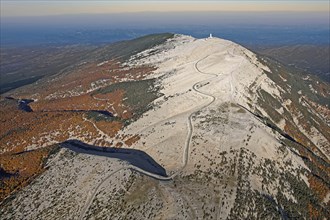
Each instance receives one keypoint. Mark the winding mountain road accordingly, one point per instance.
(185, 151)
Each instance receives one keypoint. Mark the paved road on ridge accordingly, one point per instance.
(185, 151)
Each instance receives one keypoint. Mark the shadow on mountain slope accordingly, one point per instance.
(134, 157)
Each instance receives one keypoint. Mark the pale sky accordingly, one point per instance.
(11, 8)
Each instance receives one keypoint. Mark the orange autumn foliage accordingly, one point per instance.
(320, 188)
(313, 212)
(132, 140)
(60, 113)
(23, 166)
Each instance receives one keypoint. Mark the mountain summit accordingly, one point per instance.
(170, 127)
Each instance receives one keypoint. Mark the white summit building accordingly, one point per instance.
(210, 36)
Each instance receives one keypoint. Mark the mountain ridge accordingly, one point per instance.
(226, 122)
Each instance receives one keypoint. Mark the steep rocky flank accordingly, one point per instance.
(240, 136)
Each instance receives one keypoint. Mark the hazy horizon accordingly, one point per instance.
(185, 18)
(75, 25)
(12, 8)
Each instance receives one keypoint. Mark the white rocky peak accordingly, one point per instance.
(199, 75)
(224, 162)
(230, 61)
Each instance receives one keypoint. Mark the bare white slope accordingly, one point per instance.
(197, 131)
(224, 70)
(203, 81)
